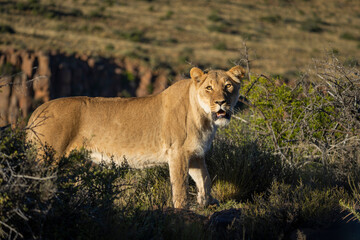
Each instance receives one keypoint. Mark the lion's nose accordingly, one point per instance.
(221, 102)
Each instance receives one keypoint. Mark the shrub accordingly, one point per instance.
(96, 28)
(8, 69)
(172, 40)
(110, 2)
(167, 16)
(352, 205)
(351, 62)
(6, 29)
(284, 208)
(186, 54)
(168, 224)
(271, 19)
(109, 47)
(222, 27)
(312, 25)
(134, 35)
(71, 197)
(215, 17)
(150, 88)
(75, 12)
(26, 187)
(35, 7)
(311, 121)
(84, 203)
(349, 36)
(97, 13)
(153, 189)
(239, 166)
(220, 46)
(41, 199)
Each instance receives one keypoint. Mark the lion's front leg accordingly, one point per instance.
(178, 167)
(200, 174)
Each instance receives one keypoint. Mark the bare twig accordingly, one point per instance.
(18, 74)
(35, 178)
(11, 230)
(239, 118)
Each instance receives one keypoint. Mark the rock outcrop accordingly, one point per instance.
(28, 79)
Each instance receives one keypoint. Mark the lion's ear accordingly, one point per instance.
(196, 74)
(236, 73)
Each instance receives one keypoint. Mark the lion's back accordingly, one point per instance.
(135, 127)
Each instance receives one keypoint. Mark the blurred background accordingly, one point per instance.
(51, 49)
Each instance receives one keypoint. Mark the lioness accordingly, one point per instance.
(175, 126)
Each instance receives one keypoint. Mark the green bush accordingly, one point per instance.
(153, 189)
(284, 208)
(109, 47)
(186, 54)
(222, 27)
(167, 16)
(75, 12)
(215, 17)
(352, 205)
(352, 62)
(312, 25)
(26, 187)
(8, 69)
(44, 199)
(97, 13)
(307, 122)
(220, 46)
(349, 36)
(84, 203)
(239, 166)
(134, 35)
(6, 29)
(271, 19)
(51, 11)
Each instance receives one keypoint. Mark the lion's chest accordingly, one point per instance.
(202, 143)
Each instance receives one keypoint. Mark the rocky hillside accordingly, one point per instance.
(28, 79)
(283, 35)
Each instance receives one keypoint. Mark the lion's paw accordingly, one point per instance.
(207, 201)
(213, 202)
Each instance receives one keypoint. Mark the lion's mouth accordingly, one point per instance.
(222, 114)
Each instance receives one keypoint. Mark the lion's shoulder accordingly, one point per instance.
(179, 88)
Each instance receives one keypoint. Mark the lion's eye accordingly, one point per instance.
(209, 88)
(228, 85)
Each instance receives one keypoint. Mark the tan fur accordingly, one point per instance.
(175, 126)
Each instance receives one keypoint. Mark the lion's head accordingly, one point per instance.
(218, 92)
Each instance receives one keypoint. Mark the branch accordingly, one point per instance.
(35, 178)
(11, 230)
(20, 73)
(241, 119)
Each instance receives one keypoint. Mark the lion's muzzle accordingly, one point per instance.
(221, 111)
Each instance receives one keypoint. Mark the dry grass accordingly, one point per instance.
(283, 34)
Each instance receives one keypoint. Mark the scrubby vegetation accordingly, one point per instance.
(289, 160)
(75, 199)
